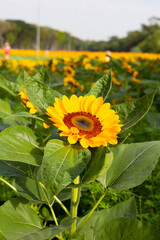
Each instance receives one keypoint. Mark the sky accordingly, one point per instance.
(85, 19)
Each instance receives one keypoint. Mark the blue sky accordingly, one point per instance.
(86, 19)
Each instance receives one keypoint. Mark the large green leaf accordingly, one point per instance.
(62, 163)
(127, 229)
(132, 164)
(132, 112)
(5, 109)
(100, 162)
(102, 87)
(40, 95)
(2, 237)
(150, 83)
(30, 189)
(7, 169)
(48, 233)
(42, 76)
(11, 87)
(19, 143)
(18, 220)
(23, 114)
(99, 218)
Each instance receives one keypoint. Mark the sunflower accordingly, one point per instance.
(26, 102)
(70, 80)
(68, 71)
(85, 119)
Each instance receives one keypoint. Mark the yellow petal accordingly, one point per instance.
(72, 139)
(103, 110)
(84, 143)
(97, 105)
(88, 104)
(75, 103)
(59, 104)
(46, 126)
(67, 104)
(74, 130)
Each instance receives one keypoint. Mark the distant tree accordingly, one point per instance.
(151, 43)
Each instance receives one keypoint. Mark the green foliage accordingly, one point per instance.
(139, 159)
(126, 228)
(126, 209)
(18, 143)
(151, 43)
(132, 112)
(61, 164)
(40, 95)
(102, 87)
(48, 180)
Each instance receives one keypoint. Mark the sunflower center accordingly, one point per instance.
(86, 123)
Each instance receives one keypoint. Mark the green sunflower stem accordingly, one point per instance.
(91, 212)
(74, 206)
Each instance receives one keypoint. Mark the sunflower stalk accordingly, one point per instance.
(74, 206)
(90, 213)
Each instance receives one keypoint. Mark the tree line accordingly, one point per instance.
(22, 35)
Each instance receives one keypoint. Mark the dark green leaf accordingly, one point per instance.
(102, 87)
(30, 189)
(18, 219)
(48, 233)
(19, 143)
(132, 112)
(132, 164)
(23, 114)
(7, 169)
(42, 76)
(99, 218)
(100, 163)
(40, 95)
(11, 87)
(62, 163)
(127, 229)
(5, 109)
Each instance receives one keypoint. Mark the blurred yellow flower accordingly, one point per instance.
(26, 102)
(68, 71)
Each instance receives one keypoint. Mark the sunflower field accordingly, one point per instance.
(79, 145)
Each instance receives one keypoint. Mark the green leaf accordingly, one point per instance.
(99, 218)
(42, 76)
(48, 233)
(20, 79)
(19, 143)
(5, 109)
(102, 87)
(150, 83)
(62, 163)
(18, 220)
(2, 237)
(127, 229)
(11, 87)
(132, 112)
(100, 162)
(154, 119)
(40, 95)
(23, 114)
(30, 189)
(6, 169)
(132, 164)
